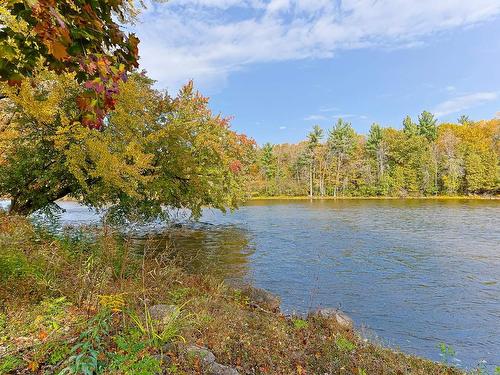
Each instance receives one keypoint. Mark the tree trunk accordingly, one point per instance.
(26, 206)
(337, 177)
(311, 179)
(18, 208)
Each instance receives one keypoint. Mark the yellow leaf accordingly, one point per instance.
(33, 366)
(58, 50)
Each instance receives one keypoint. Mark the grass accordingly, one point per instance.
(80, 305)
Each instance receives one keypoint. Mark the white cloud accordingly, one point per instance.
(343, 116)
(315, 118)
(209, 39)
(461, 103)
(282, 127)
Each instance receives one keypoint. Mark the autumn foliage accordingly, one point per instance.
(421, 159)
(153, 151)
(64, 36)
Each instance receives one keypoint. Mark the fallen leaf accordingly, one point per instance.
(42, 335)
(33, 366)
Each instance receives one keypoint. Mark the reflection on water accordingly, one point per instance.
(415, 272)
(220, 251)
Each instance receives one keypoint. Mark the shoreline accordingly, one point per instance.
(343, 198)
(331, 198)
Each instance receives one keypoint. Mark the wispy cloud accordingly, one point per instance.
(333, 117)
(282, 127)
(461, 103)
(209, 39)
(315, 118)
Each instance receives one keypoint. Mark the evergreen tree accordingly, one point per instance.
(341, 143)
(409, 127)
(374, 138)
(313, 141)
(377, 150)
(268, 161)
(464, 120)
(269, 168)
(427, 126)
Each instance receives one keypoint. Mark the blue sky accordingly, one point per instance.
(281, 66)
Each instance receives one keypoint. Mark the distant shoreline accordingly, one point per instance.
(437, 197)
(331, 198)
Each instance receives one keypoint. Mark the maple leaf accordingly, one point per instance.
(58, 50)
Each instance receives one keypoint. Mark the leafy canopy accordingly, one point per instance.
(81, 36)
(152, 151)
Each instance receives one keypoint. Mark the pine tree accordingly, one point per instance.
(427, 126)
(465, 120)
(409, 127)
(376, 149)
(341, 143)
(314, 139)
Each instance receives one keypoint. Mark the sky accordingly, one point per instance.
(279, 67)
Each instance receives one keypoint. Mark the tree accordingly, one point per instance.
(464, 120)
(79, 36)
(313, 141)
(268, 165)
(409, 127)
(427, 126)
(341, 143)
(377, 149)
(153, 151)
(452, 164)
(481, 172)
(268, 161)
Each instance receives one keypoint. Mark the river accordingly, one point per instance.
(411, 273)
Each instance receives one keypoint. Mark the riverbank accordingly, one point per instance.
(436, 197)
(86, 301)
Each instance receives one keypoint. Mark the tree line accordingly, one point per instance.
(420, 159)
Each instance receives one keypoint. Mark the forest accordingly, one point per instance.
(422, 158)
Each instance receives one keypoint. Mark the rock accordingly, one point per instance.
(162, 313)
(218, 369)
(342, 319)
(207, 359)
(262, 298)
(206, 356)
